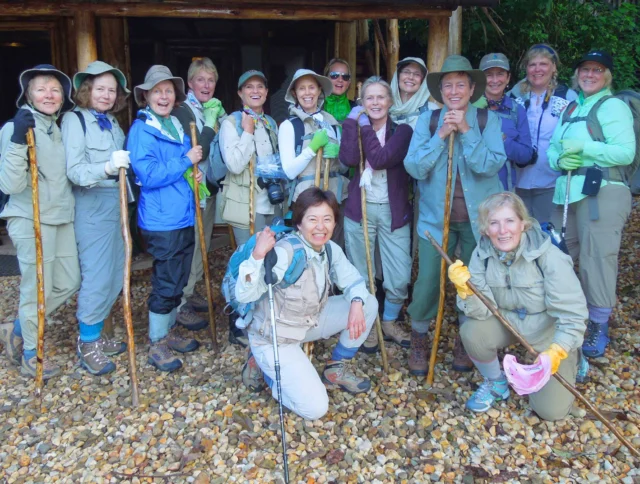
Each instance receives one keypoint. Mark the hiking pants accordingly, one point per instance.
(262, 220)
(302, 389)
(172, 251)
(483, 339)
(61, 271)
(100, 251)
(539, 202)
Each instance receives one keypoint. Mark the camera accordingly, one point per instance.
(532, 160)
(274, 189)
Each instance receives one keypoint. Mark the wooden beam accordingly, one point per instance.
(363, 32)
(393, 46)
(347, 51)
(438, 43)
(86, 38)
(114, 36)
(221, 10)
(455, 32)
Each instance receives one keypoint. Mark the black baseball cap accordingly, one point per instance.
(599, 56)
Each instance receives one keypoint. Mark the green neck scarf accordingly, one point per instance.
(338, 106)
(166, 124)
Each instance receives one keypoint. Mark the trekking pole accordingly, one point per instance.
(367, 249)
(496, 312)
(443, 265)
(37, 230)
(565, 216)
(252, 197)
(126, 286)
(270, 261)
(203, 246)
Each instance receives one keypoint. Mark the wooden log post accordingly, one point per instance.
(347, 40)
(455, 32)
(393, 46)
(438, 43)
(114, 50)
(85, 38)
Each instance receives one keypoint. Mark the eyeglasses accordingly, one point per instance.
(410, 73)
(335, 75)
(587, 70)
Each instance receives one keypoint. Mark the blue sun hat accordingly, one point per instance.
(45, 70)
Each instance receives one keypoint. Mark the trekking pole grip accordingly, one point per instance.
(270, 261)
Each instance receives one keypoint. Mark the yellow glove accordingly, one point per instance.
(556, 354)
(459, 274)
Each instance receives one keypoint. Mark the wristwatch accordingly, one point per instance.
(357, 299)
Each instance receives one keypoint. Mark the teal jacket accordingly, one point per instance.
(618, 150)
(477, 157)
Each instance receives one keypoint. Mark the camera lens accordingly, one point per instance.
(275, 193)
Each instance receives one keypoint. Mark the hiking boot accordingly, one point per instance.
(236, 335)
(418, 364)
(582, 376)
(252, 375)
(596, 340)
(12, 343)
(370, 345)
(489, 392)
(198, 303)
(191, 320)
(28, 368)
(111, 346)
(162, 358)
(461, 360)
(339, 374)
(180, 344)
(93, 359)
(394, 332)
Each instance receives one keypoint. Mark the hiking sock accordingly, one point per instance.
(599, 315)
(489, 369)
(391, 310)
(17, 329)
(90, 332)
(28, 354)
(341, 352)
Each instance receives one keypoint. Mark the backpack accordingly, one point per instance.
(218, 167)
(631, 99)
(483, 115)
(243, 252)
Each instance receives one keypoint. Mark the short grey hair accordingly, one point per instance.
(376, 80)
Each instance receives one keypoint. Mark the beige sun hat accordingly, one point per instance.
(325, 85)
(155, 75)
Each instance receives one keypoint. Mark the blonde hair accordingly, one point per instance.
(204, 64)
(540, 50)
(498, 200)
(608, 79)
(377, 80)
(336, 60)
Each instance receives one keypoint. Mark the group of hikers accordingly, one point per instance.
(517, 157)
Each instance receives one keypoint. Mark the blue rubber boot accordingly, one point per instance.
(489, 392)
(596, 340)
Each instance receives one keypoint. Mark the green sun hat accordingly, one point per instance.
(456, 63)
(97, 68)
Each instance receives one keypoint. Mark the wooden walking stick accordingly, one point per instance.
(203, 245)
(126, 287)
(496, 312)
(37, 230)
(367, 248)
(443, 265)
(252, 195)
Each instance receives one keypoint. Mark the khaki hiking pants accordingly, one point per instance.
(61, 271)
(483, 339)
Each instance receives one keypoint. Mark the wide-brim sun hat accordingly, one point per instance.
(46, 70)
(325, 85)
(457, 63)
(527, 379)
(155, 75)
(412, 60)
(98, 68)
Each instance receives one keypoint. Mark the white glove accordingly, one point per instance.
(366, 178)
(119, 159)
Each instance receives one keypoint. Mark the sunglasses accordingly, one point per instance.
(336, 75)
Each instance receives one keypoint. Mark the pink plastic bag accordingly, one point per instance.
(526, 379)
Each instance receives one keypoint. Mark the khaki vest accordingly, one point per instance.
(297, 307)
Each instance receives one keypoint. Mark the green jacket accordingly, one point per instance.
(620, 147)
(539, 293)
(56, 200)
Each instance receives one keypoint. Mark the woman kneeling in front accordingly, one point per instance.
(534, 286)
(305, 311)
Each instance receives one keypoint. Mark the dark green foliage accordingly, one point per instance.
(573, 27)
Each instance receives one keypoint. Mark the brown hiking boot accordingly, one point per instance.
(339, 374)
(461, 360)
(370, 345)
(198, 303)
(190, 319)
(418, 364)
(394, 332)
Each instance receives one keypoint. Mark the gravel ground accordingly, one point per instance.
(201, 425)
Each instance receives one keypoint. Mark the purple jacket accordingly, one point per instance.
(389, 157)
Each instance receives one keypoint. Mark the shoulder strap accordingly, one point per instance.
(566, 114)
(83, 122)
(329, 254)
(593, 123)
(483, 115)
(237, 115)
(433, 122)
(561, 91)
(298, 133)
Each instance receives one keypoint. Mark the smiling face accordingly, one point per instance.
(540, 70)
(317, 225)
(254, 93)
(45, 94)
(376, 101)
(340, 85)
(410, 78)
(591, 77)
(456, 90)
(497, 81)
(161, 98)
(104, 92)
(505, 229)
(307, 91)
(203, 85)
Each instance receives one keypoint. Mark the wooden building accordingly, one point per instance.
(276, 36)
